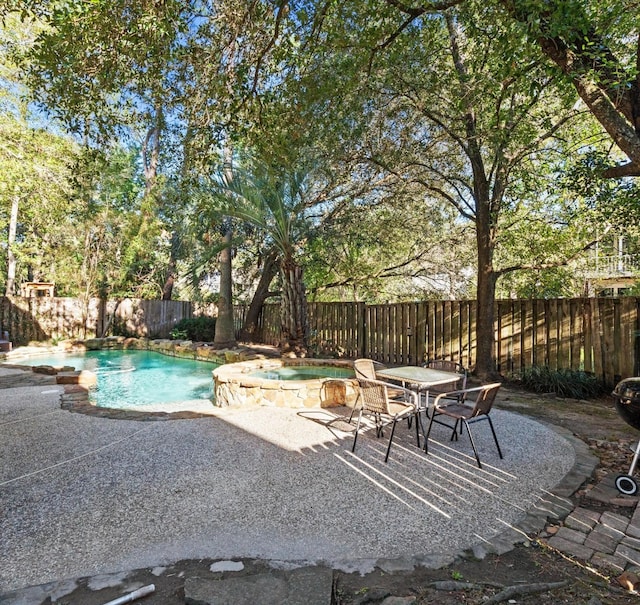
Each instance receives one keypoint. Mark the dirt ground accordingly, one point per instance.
(505, 578)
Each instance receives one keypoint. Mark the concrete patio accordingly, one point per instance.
(83, 495)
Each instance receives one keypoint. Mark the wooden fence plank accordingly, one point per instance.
(421, 330)
(576, 333)
(465, 334)
(374, 334)
(587, 335)
(607, 316)
(437, 333)
(537, 335)
(516, 337)
(553, 331)
(446, 329)
(455, 338)
(472, 348)
(596, 334)
(627, 337)
(564, 334)
(526, 319)
(500, 331)
(428, 330)
(617, 339)
(398, 334)
(413, 334)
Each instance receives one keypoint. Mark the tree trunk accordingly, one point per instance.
(11, 259)
(294, 313)
(485, 368)
(167, 289)
(248, 332)
(225, 335)
(225, 332)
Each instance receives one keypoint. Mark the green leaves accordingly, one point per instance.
(272, 200)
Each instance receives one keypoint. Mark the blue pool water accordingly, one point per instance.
(137, 378)
(304, 373)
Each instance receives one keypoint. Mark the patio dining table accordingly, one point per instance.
(420, 379)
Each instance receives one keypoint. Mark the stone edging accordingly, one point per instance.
(238, 385)
(185, 349)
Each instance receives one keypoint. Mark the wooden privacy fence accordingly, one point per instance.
(598, 335)
(44, 318)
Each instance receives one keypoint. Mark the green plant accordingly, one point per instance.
(200, 329)
(576, 384)
(457, 576)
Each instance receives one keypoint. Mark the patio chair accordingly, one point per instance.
(446, 404)
(366, 369)
(448, 366)
(376, 403)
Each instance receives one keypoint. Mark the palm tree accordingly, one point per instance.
(274, 201)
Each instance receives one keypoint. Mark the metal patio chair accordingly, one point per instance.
(446, 404)
(447, 365)
(366, 369)
(376, 403)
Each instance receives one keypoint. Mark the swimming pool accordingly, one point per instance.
(135, 379)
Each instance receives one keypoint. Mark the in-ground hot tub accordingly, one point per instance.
(291, 383)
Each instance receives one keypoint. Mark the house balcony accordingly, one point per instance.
(614, 272)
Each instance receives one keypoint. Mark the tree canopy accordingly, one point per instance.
(459, 148)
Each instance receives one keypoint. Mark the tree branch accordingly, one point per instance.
(560, 263)
(599, 79)
(389, 41)
(616, 172)
(282, 9)
(417, 11)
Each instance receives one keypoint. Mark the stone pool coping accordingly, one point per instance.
(185, 349)
(235, 385)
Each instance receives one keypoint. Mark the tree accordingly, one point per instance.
(468, 123)
(390, 247)
(35, 183)
(37, 170)
(596, 47)
(106, 70)
(276, 201)
(268, 269)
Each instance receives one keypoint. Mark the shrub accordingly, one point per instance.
(201, 329)
(576, 384)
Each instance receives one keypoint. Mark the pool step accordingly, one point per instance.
(83, 377)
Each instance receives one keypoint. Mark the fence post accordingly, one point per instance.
(361, 329)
